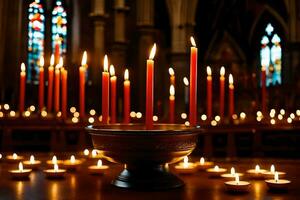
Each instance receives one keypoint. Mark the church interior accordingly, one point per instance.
(181, 99)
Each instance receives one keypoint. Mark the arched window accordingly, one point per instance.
(59, 30)
(270, 55)
(36, 35)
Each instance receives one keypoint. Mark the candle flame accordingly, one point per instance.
(217, 168)
(72, 159)
(105, 63)
(186, 81)
(20, 166)
(172, 90)
(42, 61)
(257, 168)
(232, 171)
(23, 67)
(94, 153)
(15, 156)
(54, 160)
(208, 71)
(185, 162)
(99, 163)
(237, 179)
(202, 161)
(272, 169)
(112, 70)
(55, 168)
(126, 75)
(52, 60)
(276, 177)
(193, 41)
(31, 160)
(230, 79)
(171, 71)
(86, 152)
(84, 59)
(61, 62)
(152, 52)
(222, 71)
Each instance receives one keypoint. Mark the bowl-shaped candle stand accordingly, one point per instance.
(278, 184)
(20, 173)
(216, 171)
(54, 161)
(32, 163)
(270, 174)
(14, 158)
(237, 185)
(256, 173)
(55, 173)
(203, 165)
(185, 167)
(98, 169)
(145, 152)
(232, 175)
(72, 164)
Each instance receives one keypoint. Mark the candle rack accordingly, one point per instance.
(145, 152)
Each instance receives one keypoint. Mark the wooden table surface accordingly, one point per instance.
(81, 185)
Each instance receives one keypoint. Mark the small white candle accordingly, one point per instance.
(55, 173)
(98, 169)
(203, 165)
(216, 171)
(32, 163)
(72, 164)
(237, 185)
(278, 184)
(257, 172)
(185, 167)
(270, 174)
(20, 173)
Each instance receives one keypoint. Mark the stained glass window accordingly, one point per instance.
(59, 30)
(36, 35)
(270, 55)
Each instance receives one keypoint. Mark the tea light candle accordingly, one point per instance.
(216, 171)
(94, 154)
(186, 167)
(277, 184)
(98, 169)
(203, 165)
(20, 173)
(32, 163)
(54, 161)
(232, 174)
(55, 172)
(72, 164)
(256, 173)
(237, 185)
(14, 158)
(270, 174)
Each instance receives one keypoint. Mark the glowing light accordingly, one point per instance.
(27, 113)
(6, 106)
(105, 63)
(222, 71)
(15, 156)
(208, 71)
(193, 41)
(76, 114)
(20, 167)
(217, 118)
(259, 113)
(242, 115)
(232, 171)
(257, 169)
(280, 117)
(86, 152)
(272, 169)
(91, 120)
(84, 59)
(202, 161)
(99, 163)
(289, 120)
(126, 75)
(258, 119)
(55, 168)
(187, 123)
(185, 162)
(94, 153)
(172, 90)
(61, 62)
(298, 113)
(31, 159)
(183, 115)
(1, 114)
(216, 168)
(72, 159)
(112, 70)
(32, 108)
(292, 115)
(23, 67)
(186, 81)
(132, 114)
(203, 117)
(54, 160)
(282, 111)
(92, 112)
(234, 116)
(44, 113)
(230, 79)
(75, 120)
(72, 109)
(213, 123)
(58, 114)
(155, 118)
(139, 115)
(12, 113)
(42, 61)
(152, 52)
(272, 121)
(237, 179)
(276, 177)
(171, 71)
(52, 60)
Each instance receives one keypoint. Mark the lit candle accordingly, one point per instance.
(22, 88)
(203, 165)
(126, 97)
(231, 96)
(14, 158)
(82, 72)
(216, 171)
(86, 152)
(32, 163)
(193, 84)
(57, 85)
(50, 84)
(54, 160)
(113, 93)
(98, 169)
(55, 173)
(64, 92)
(256, 173)
(150, 88)
(232, 174)
(237, 185)
(72, 164)
(20, 173)
(186, 167)
(263, 91)
(95, 154)
(41, 84)
(209, 93)
(222, 91)
(172, 104)
(186, 92)
(270, 174)
(172, 76)
(277, 184)
(105, 92)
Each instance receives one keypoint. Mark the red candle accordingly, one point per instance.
(263, 90)
(50, 84)
(231, 96)
(41, 84)
(193, 83)
(57, 47)
(209, 93)
(172, 105)
(105, 92)
(57, 85)
(172, 76)
(82, 72)
(64, 85)
(113, 98)
(222, 91)
(22, 88)
(126, 97)
(149, 88)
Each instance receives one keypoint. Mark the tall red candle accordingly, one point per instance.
(22, 88)
(126, 97)
(231, 96)
(57, 47)
(64, 92)
(105, 92)
(41, 84)
(82, 72)
(263, 91)
(57, 86)
(209, 93)
(113, 93)
(149, 88)
(172, 76)
(172, 104)
(193, 84)
(222, 91)
(50, 84)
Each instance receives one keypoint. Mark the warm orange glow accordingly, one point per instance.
(222, 71)
(263, 68)
(105, 63)
(172, 90)
(61, 62)
(126, 75)
(208, 71)
(31, 159)
(193, 41)
(55, 167)
(112, 70)
(52, 60)
(230, 79)
(42, 61)
(171, 71)
(152, 53)
(20, 166)
(23, 67)
(84, 59)
(186, 81)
